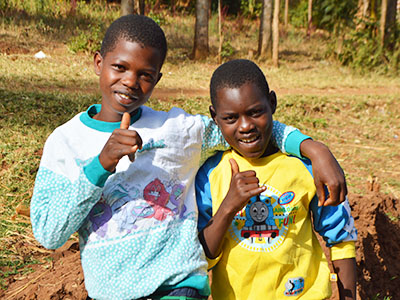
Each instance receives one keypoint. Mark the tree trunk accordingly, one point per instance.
(388, 22)
(309, 21)
(141, 7)
(264, 38)
(383, 21)
(286, 13)
(127, 7)
(275, 35)
(220, 32)
(200, 49)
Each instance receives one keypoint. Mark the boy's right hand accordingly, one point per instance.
(244, 185)
(121, 142)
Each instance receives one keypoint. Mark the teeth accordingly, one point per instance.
(249, 140)
(124, 96)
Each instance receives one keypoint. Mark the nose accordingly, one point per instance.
(245, 124)
(130, 80)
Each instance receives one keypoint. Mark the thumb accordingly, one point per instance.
(126, 121)
(234, 166)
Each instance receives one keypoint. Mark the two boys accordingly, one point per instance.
(122, 175)
(255, 203)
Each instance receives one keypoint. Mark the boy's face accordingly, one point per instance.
(128, 75)
(244, 116)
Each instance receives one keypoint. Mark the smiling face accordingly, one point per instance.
(128, 75)
(244, 116)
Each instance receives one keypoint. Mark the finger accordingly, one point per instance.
(334, 196)
(343, 192)
(320, 192)
(132, 154)
(247, 180)
(126, 121)
(249, 173)
(234, 166)
(256, 191)
(127, 137)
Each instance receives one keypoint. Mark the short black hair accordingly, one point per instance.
(135, 28)
(235, 73)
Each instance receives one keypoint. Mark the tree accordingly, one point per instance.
(141, 7)
(127, 7)
(200, 49)
(275, 34)
(265, 33)
(388, 23)
(220, 32)
(286, 13)
(309, 21)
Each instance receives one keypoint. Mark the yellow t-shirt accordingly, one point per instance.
(270, 251)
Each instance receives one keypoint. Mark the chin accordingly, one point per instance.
(251, 155)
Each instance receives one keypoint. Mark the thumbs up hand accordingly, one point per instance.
(121, 142)
(244, 185)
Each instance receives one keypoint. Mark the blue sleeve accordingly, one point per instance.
(203, 190)
(286, 138)
(334, 223)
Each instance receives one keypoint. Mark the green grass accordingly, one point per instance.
(357, 116)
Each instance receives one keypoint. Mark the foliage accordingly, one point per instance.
(298, 14)
(334, 15)
(88, 41)
(227, 50)
(159, 18)
(251, 8)
(369, 54)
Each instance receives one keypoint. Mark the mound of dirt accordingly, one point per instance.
(377, 219)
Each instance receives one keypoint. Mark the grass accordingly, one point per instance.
(357, 116)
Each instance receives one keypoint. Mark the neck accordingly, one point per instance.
(271, 149)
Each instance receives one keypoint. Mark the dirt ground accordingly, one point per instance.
(378, 247)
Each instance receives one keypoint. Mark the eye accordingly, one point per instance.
(147, 77)
(229, 119)
(118, 67)
(257, 112)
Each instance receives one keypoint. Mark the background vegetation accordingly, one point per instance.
(349, 100)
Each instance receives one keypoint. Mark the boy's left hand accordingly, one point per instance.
(327, 172)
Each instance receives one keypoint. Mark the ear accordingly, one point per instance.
(272, 101)
(97, 61)
(213, 114)
(159, 77)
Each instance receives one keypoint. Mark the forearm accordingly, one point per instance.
(215, 231)
(59, 206)
(312, 149)
(347, 278)
(327, 173)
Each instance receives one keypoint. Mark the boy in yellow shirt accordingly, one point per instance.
(256, 203)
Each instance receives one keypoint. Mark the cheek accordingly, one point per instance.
(227, 132)
(146, 87)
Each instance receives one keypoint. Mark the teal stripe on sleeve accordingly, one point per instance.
(293, 141)
(198, 282)
(95, 172)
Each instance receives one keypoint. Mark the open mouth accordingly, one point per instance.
(250, 140)
(125, 99)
